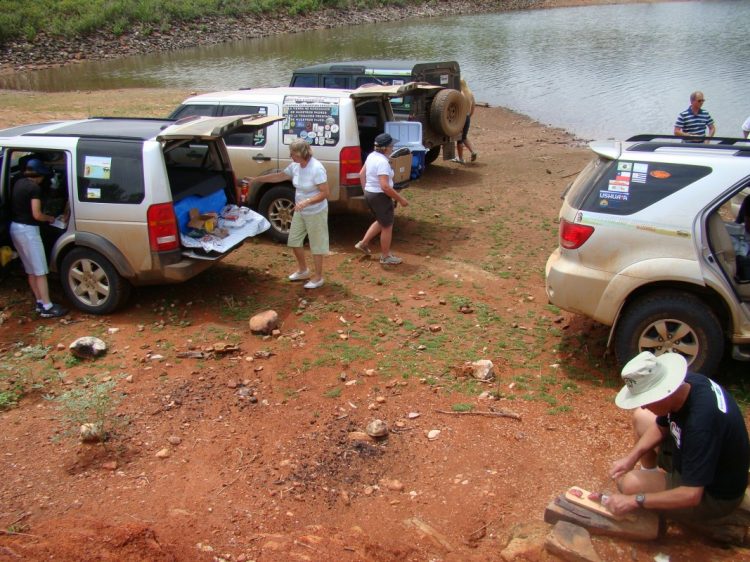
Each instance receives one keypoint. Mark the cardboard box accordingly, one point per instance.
(401, 168)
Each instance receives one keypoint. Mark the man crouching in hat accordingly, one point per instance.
(691, 441)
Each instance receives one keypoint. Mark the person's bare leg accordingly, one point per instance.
(371, 233)
(648, 480)
(40, 288)
(460, 150)
(386, 235)
(299, 253)
(642, 420)
(639, 481)
(318, 265)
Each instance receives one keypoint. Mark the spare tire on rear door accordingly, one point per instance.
(447, 115)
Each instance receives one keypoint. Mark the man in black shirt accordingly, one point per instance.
(691, 441)
(26, 217)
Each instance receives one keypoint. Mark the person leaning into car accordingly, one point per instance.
(26, 217)
(310, 219)
(694, 121)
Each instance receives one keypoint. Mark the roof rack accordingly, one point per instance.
(652, 142)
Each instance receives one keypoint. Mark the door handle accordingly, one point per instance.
(261, 158)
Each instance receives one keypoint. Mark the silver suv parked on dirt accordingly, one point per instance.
(130, 186)
(650, 245)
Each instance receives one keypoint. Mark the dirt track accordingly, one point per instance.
(264, 468)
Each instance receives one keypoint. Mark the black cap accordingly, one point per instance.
(384, 139)
(37, 167)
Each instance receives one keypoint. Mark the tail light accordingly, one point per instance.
(573, 235)
(163, 234)
(351, 164)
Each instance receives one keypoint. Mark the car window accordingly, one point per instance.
(305, 81)
(577, 191)
(336, 82)
(626, 187)
(400, 105)
(110, 171)
(190, 110)
(245, 139)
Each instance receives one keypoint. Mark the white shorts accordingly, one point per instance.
(28, 244)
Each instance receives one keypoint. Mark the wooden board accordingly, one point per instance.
(644, 526)
(596, 507)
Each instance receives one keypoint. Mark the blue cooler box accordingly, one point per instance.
(409, 134)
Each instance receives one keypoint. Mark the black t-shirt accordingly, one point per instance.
(24, 191)
(710, 438)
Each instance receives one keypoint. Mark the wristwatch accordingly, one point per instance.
(640, 499)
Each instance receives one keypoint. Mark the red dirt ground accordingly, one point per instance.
(260, 464)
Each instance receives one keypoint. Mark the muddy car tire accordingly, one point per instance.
(92, 283)
(447, 116)
(277, 205)
(671, 322)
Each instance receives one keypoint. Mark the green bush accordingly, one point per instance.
(94, 406)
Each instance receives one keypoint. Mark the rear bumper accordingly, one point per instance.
(576, 288)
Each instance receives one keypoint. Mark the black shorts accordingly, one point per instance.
(381, 206)
(709, 507)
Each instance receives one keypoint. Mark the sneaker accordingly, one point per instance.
(458, 160)
(314, 284)
(300, 275)
(362, 247)
(390, 260)
(474, 156)
(54, 311)
(39, 306)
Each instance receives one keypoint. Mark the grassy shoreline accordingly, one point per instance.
(20, 19)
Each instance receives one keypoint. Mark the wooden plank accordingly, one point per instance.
(644, 527)
(596, 507)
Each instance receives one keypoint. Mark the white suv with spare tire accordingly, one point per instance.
(341, 126)
(650, 245)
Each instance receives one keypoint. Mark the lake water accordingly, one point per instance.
(597, 71)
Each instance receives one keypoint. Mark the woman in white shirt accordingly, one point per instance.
(310, 217)
(377, 178)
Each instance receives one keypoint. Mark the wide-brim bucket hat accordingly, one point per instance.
(649, 379)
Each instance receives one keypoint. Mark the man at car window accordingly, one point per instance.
(26, 217)
(691, 441)
(694, 121)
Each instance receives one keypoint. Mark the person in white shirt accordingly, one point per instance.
(377, 179)
(310, 219)
(746, 128)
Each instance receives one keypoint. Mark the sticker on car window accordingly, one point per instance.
(93, 193)
(660, 174)
(621, 186)
(613, 196)
(624, 166)
(97, 167)
(312, 118)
